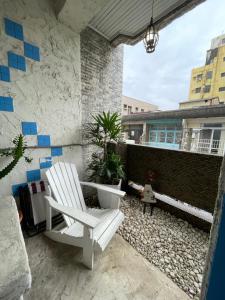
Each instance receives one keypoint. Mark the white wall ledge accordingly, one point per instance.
(15, 275)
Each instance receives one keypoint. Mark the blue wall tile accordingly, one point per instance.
(45, 162)
(4, 73)
(16, 61)
(36, 54)
(6, 104)
(9, 27)
(13, 29)
(56, 151)
(29, 128)
(33, 175)
(44, 140)
(18, 30)
(15, 188)
(31, 51)
(21, 63)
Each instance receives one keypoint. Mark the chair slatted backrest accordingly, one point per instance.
(65, 185)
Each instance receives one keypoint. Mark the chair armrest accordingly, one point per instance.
(76, 214)
(104, 188)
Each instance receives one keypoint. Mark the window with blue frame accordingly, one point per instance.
(168, 135)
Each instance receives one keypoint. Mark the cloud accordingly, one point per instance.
(163, 78)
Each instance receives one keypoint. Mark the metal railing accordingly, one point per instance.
(206, 146)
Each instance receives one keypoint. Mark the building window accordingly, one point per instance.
(206, 88)
(209, 75)
(178, 137)
(223, 74)
(165, 134)
(222, 89)
(223, 41)
(142, 110)
(153, 136)
(199, 77)
(162, 137)
(136, 109)
(224, 59)
(124, 107)
(129, 110)
(170, 137)
(197, 90)
(209, 125)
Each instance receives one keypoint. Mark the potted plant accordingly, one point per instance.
(106, 166)
(16, 152)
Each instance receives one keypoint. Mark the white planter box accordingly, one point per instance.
(107, 200)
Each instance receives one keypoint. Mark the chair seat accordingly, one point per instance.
(110, 220)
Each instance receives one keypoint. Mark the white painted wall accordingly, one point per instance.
(196, 123)
(49, 92)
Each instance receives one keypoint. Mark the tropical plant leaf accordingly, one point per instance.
(17, 153)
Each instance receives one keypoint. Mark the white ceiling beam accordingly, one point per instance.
(78, 13)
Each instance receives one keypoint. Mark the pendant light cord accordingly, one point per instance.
(152, 7)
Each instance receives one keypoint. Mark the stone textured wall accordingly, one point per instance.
(101, 80)
(48, 93)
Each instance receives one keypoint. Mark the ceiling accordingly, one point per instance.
(129, 18)
(120, 21)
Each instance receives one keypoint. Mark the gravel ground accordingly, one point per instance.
(173, 245)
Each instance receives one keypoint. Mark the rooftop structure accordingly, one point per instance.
(196, 112)
(131, 105)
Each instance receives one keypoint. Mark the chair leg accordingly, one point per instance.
(88, 257)
(151, 208)
(144, 208)
(88, 249)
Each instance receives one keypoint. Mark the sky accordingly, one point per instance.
(163, 77)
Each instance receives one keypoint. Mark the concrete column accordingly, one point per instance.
(144, 132)
(147, 133)
(188, 139)
(213, 287)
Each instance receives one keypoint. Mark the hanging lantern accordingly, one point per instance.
(151, 36)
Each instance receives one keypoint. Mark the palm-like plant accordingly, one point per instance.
(109, 170)
(17, 152)
(105, 129)
(106, 166)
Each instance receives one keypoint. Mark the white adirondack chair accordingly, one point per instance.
(88, 228)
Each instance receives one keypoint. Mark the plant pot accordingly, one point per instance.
(107, 200)
(20, 215)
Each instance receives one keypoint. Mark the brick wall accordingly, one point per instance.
(101, 80)
(189, 177)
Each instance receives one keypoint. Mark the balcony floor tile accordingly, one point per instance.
(119, 273)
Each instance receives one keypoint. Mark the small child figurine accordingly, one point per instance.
(148, 197)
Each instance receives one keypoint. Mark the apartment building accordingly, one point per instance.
(207, 88)
(133, 106)
(207, 84)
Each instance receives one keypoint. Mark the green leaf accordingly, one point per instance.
(17, 153)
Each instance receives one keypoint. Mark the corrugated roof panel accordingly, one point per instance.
(143, 20)
(128, 16)
(136, 11)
